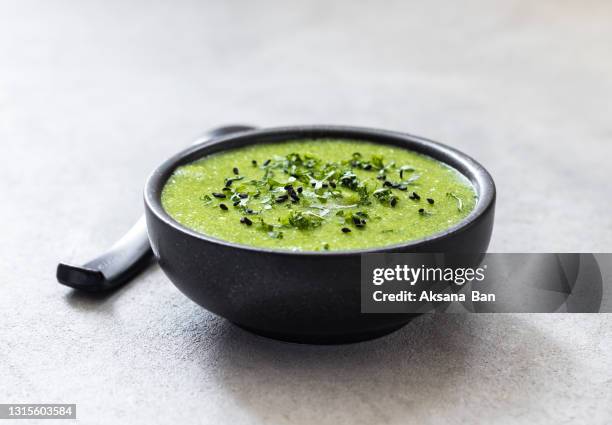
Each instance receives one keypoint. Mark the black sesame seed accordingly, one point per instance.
(266, 162)
(249, 211)
(254, 163)
(228, 183)
(381, 177)
(393, 201)
(226, 189)
(332, 184)
(282, 198)
(431, 201)
(223, 207)
(300, 189)
(421, 210)
(245, 220)
(219, 195)
(236, 203)
(236, 171)
(243, 195)
(294, 196)
(359, 222)
(414, 196)
(387, 184)
(346, 230)
(402, 187)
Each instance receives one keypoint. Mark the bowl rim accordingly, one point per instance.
(478, 176)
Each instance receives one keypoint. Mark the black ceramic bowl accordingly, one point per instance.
(310, 297)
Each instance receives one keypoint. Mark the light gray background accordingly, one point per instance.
(93, 95)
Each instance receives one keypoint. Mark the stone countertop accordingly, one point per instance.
(94, 94)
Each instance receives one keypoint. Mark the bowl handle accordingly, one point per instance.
(129, 255)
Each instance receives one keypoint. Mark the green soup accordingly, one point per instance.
(324, 194)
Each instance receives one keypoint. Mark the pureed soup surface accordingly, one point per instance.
(323, 194)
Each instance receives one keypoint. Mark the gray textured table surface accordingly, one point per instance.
(94, 94)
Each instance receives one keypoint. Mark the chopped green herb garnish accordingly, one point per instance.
(303, 220)
(385, 196)
(332, 188)
(230, 180)
(271, 230)
(404, 169)
(357, 218)
(458, 199)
